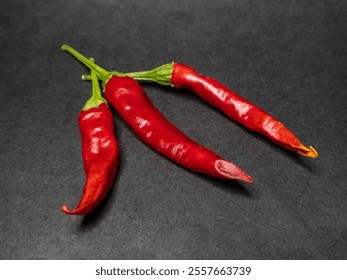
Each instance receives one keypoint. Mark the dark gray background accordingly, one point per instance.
(288, 57)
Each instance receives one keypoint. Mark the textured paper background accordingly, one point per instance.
(289, 57)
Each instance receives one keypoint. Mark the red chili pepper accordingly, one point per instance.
(99, 149)
(134, 106)
(229, 102)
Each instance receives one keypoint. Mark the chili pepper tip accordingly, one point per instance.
(308, 152)
(312, 153)
(66, 209)
(246, 178)
(77, 211)
(231, 171)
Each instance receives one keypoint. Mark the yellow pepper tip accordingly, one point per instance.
(308, 152)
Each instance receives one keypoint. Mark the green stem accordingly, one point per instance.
(102, 74)
(160, 75)
(96, 98)
(86, 77)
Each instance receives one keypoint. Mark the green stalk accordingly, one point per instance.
(96, 98)
(160, 75)
(102, 74)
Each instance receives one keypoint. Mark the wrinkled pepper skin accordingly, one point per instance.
(237, 108)
(100, 156)
(134, 106)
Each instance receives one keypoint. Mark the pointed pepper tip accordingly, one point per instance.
(308, 152)
(228, 170)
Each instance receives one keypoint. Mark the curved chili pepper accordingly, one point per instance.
(99, 149)
(233, 105)
(134, 106)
